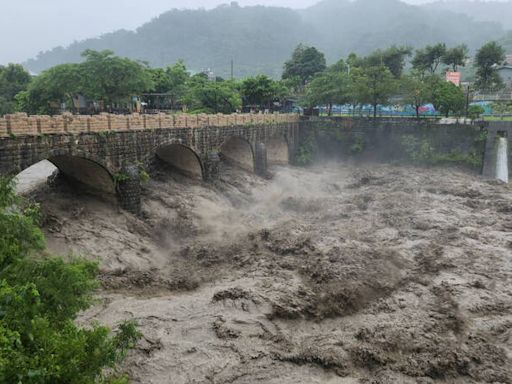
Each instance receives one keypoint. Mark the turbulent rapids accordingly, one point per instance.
(331, 274)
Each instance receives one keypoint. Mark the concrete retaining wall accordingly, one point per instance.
(405, 140)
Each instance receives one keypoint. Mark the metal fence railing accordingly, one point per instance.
(500, 96)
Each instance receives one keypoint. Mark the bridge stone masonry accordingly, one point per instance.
(109, 153)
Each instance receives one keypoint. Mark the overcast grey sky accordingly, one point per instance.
(30, 26)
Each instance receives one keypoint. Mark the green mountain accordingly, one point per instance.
(365, 25)
(259, 39)
(497, 11)
(506, 42)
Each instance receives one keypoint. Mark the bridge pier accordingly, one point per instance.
(129, 189)
(489, 167)
(260, 159)
(293, 141)
(211, 167)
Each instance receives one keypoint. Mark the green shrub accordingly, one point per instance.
(120, 178)
(417, 150)
(474, 111)
(307, 150)
(19, 234)
(422, 151)
(144, 176)
(472, 158)
(40, 298)
(357, 145)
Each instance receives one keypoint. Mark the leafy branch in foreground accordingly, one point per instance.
(40, 298)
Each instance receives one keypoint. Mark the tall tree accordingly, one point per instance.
(293, 85)
(415, 90)
(170, 81)
(393, 58)
(329, 87)
(261, 91)
(448, 98)
(111, 78)
(429, 58)
(52, 87)
(208, 96)
(304, 63)
(487, 59)
(13, 79)
(373, 85)
(101, 77)
(178, 77)
(456, 57)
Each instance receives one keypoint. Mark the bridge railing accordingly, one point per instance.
(22, 124)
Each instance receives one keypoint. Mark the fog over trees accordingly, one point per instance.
(259, 39)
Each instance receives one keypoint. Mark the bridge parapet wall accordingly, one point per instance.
(22, 124)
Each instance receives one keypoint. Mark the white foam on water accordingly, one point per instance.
(502, 160)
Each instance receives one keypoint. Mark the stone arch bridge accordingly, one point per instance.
(109, 152)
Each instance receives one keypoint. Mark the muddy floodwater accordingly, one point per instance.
(333, 274)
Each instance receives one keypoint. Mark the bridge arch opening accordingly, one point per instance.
(238, 151)
(87, 174)
(277, 151)
(182, 158)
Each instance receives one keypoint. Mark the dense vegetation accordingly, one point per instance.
(102, 77)
(259, 39)
(380, 79)
(396, 75)
(40, 297)
(13, 79)
(109, 83)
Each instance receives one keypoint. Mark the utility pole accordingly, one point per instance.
(232, 69)
(468, 91)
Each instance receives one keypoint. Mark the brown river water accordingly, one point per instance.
(332, 274)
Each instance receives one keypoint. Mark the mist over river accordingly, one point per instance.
(331, 274)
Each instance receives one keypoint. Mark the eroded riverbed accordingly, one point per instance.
(332, 274)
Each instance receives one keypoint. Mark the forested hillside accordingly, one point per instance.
(366, 25)
(506, 42)
(497, 11)
(259, 39)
